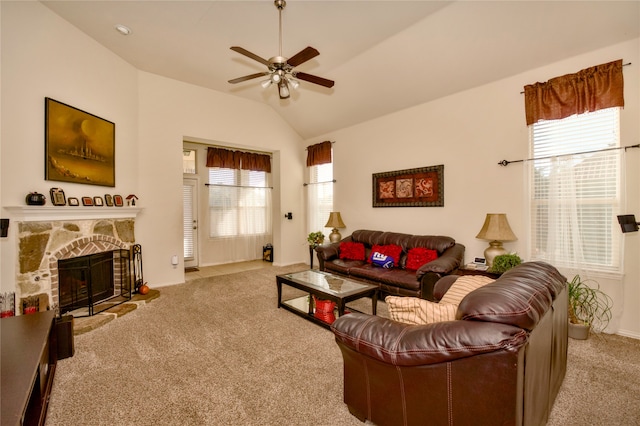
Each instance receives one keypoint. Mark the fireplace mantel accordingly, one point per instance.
(52, 213)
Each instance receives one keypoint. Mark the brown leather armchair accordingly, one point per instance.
(501, 362)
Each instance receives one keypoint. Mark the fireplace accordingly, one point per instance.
(47, 235)
(93, 283)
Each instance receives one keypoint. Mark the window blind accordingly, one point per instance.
(239, 202)
(187, 224)
(576, 197)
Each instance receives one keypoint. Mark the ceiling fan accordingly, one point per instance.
(281, 70)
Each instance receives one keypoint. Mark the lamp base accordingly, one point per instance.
(495, 249)
(335, 236)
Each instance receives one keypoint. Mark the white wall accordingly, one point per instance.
(470, 132)
(44, 56)
(172, 111)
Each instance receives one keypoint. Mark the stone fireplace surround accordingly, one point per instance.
(48, 234)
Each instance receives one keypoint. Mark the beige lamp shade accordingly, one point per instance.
(496, 229)
(335, 222)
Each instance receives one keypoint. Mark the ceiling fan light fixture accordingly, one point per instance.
(293, 83)
(283, 90)
(266, 83)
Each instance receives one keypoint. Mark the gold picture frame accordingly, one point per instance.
(421, 187)
(79, 146)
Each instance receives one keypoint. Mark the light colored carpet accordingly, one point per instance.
(217, 351)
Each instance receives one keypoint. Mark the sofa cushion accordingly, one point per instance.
(391, 250)
(394, 277)
(412, 310)
(351, 251)
(418, 256)
(432, 242)
(343, 266)
(463, 286)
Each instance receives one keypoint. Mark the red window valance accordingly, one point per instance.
(228, 159)
(319, 154)
(591, 89)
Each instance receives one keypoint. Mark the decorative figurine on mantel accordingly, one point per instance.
(131, 199)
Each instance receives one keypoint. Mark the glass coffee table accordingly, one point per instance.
(320, 288)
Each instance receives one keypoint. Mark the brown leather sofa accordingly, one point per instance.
(501, 362)
(396, 281)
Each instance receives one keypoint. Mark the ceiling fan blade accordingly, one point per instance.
(248, 54)
(248, 77)
(314, 79)
(303, 56)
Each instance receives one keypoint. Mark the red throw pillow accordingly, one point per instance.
(418, 256)
(351, 251)
(391, 250)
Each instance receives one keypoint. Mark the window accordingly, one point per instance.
(320, 196)
(575, 192)
(239, 202)
(189, 161)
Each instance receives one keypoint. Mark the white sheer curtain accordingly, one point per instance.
(240, 214)
(319, 197)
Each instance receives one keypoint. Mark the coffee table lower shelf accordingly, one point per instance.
(324, 286)
(300, 307)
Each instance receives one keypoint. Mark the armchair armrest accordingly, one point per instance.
(401, 344)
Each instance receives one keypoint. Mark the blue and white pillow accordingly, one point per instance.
(382, 260)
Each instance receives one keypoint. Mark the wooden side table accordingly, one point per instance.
(464, 271)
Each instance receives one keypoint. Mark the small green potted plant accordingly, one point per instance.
(315, 239)
(503, 262)
(588, 307)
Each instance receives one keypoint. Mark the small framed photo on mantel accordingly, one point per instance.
(57, 197)
(87, 201)
(73, 201)
(97, 201)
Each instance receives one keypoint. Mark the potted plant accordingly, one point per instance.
(315, 239)
(588, 305)
(503, 262)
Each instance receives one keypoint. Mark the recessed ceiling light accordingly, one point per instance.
(123, 29)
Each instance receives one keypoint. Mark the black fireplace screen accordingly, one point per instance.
(94, 283)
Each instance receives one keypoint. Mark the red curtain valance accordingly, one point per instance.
(319, 154)
(228, 159)
(591, 89)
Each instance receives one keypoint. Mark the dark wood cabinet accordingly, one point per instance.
(29, 357)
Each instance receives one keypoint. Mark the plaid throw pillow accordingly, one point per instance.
(412, 310)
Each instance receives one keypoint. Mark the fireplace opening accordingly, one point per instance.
(94, 283)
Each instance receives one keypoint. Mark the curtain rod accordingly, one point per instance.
(505, 163)
(307, 148)
(238, 186)
(230, 148)
(624, 65)
(317, 183)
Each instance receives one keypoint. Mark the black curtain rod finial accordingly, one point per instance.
(504, 163)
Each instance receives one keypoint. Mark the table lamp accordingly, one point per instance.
(335, 222)
(496, 229)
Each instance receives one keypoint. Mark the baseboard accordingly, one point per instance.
(627, 333)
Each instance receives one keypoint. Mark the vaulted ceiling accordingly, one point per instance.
(384, 56)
